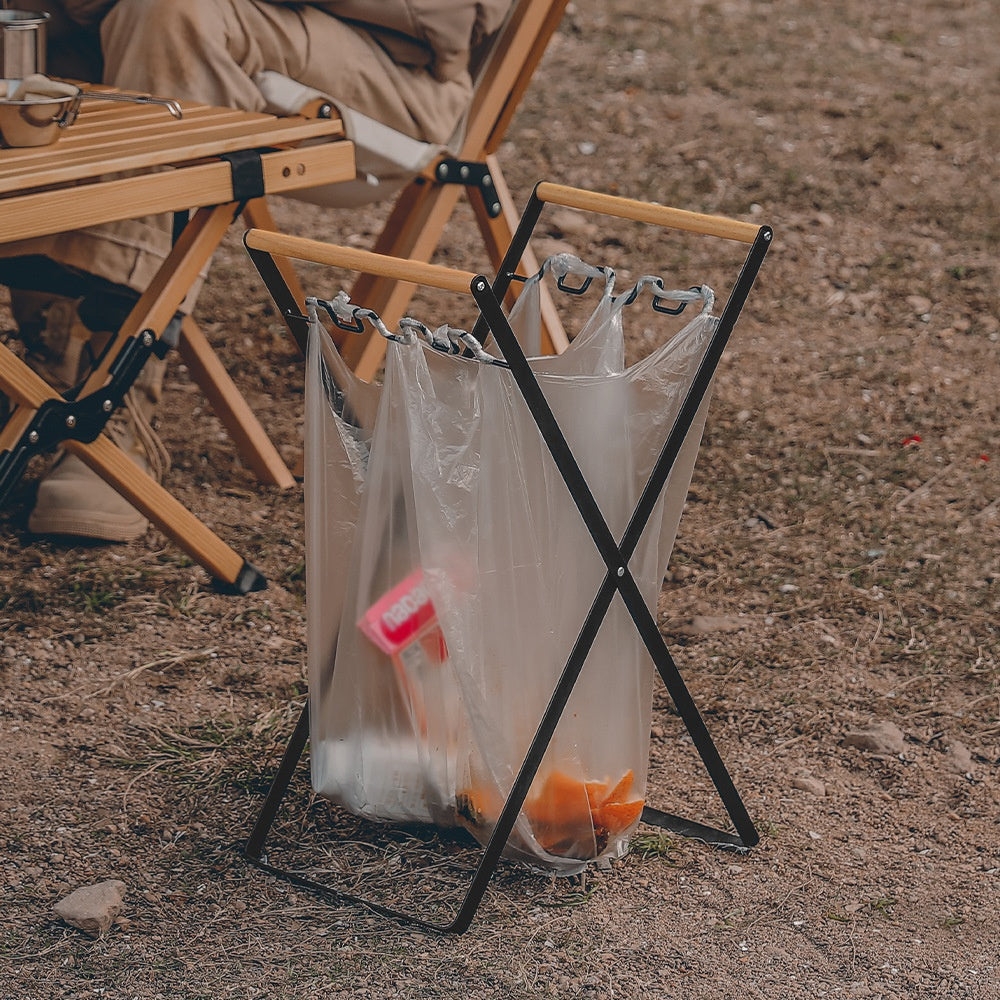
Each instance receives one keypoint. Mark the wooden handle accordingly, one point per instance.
(365, 261)
(640, 211)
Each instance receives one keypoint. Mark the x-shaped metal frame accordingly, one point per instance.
(615, 554)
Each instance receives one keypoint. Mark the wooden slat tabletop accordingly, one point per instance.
(114, 138)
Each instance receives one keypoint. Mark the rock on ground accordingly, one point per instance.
(879, 737)
(92, 908)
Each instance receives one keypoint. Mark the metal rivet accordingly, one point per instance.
(147, 339)
(33, 437)
(487, 181)
(71, 421)
(621, 571)
(464, 173)
(107, 406)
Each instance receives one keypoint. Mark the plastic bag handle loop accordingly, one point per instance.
(564, 264)
(658, 301)
(446, 339)
(440, 339)
(353, 324)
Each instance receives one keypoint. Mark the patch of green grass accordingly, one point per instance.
(95, 597)
(653, 845)
(883, 905)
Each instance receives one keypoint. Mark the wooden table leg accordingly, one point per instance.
(29, 391)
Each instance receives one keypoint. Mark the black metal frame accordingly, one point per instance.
(618, 579)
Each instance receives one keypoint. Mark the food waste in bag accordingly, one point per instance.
(568, 817)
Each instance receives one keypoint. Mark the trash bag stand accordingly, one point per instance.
(615, 554)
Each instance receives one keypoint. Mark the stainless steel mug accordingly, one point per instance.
(22, 43)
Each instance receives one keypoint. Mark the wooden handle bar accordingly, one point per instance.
(416, 272)
(640, 211)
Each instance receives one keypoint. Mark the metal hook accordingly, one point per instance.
(357, 326)
(668, 310)
(564, 286)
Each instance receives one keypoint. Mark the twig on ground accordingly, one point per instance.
(925, 488)
(172, 660)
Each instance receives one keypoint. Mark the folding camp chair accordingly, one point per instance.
(427, 180)
(615, 553)
(434, 176)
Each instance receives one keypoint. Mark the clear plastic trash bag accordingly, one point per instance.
(449, 574)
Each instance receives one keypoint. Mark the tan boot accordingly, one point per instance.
(74, 500)
(50, 329)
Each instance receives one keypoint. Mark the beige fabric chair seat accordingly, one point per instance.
(386, 159)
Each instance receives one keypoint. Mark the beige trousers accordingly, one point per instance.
(209, 51)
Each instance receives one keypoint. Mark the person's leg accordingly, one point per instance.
(210, 50)
(346, 64)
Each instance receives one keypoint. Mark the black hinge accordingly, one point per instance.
(471, 174)
(58, 420)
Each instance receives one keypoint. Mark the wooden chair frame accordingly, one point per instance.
(412, 231)
(416, 224)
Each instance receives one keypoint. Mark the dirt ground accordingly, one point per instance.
(837, 567)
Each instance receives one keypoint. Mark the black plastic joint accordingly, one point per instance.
(247, 169)
(248, 580)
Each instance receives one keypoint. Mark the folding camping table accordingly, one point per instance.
(267, 248)
(123, 161)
